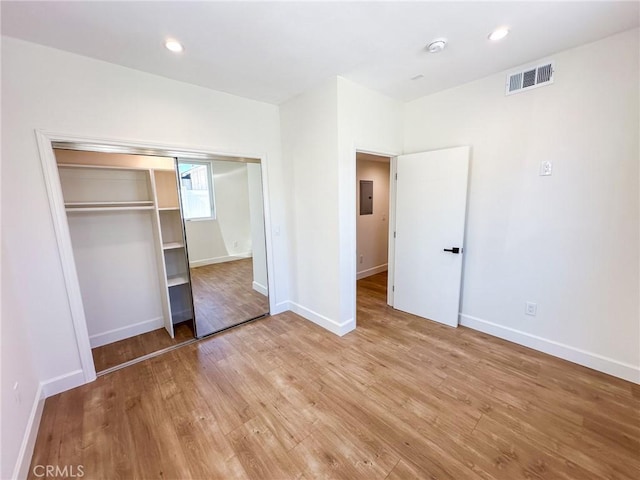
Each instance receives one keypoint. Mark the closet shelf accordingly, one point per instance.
(109, 208)
(168, 209)
(172, 245)
(119, 206)
(174, 280)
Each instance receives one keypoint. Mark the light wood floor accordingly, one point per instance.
(398, 398)
(223, 295)
(117, 353)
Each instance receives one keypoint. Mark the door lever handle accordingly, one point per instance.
(453, 250)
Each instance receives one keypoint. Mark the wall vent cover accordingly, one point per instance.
(529, 78)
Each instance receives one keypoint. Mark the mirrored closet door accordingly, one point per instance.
(223, 213)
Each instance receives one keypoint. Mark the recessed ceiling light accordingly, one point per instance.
(499, 34)
(437, 45)
(174, 45)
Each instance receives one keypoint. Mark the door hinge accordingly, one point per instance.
(396, 176)
(394, 234)
(393, 288)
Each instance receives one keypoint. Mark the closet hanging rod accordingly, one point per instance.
(108, 203)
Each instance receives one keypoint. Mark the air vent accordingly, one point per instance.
(529, 78)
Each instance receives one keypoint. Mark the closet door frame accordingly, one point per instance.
(47, 141)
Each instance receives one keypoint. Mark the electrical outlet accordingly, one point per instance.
(531, 308)
(546, 168)
(361, 258)
(235, 244)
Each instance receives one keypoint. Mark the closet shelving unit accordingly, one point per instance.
(173, 245)
(170, 228)
(97, 189)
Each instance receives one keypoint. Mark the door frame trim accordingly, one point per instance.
(45, 140)
(391, 271)
(353, 243)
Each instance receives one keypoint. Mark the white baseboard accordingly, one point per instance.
(21, 468)
(281, 307)
(371, 271)
(100, 339)
(339, 329)
(225, 258)
(258, 287)
(582, 357)
(62, 383)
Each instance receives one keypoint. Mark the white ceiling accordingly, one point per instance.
(272, 51)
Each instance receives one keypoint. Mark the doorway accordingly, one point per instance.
(426, 212)
(373, 194)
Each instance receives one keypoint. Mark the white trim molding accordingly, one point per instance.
(110, 336)
(348, 203)
(371, 271)
(223, 259)
(339, 329)
(576, 355)
(280, 307)
(62, 383)
(21, 468)
(258, 287)
(65, 249)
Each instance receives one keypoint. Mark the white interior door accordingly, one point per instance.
(431, 200)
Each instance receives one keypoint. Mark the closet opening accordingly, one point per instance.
(164, 248)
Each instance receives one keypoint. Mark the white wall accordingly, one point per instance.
(321, 131)
(23, 406)
(568, 242)
(229, 235)
(371, 122)
(373, 230)
(116, 261)
(205, 242)
(231, 189)
(309, 125)
(44, 88)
